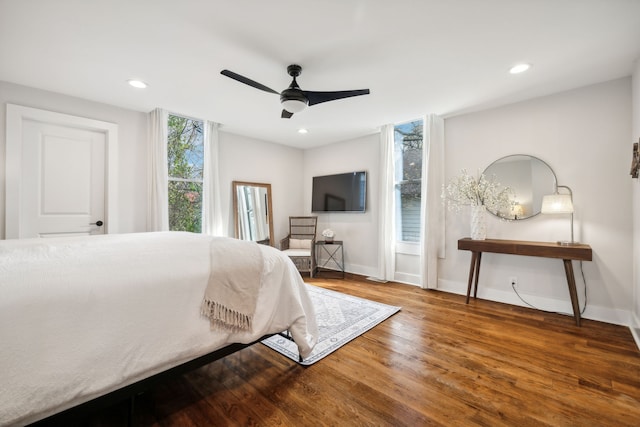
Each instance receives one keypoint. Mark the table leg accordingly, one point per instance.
(475, 267)
(475, 288)
(573, 293)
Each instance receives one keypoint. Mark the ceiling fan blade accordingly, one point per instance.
(318, 97)
(243, 79)
(286, 114)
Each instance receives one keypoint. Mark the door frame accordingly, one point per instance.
(16, 115)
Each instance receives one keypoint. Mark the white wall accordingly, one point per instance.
(636, 205)
(358, 231)
(243, 159)
(132, 143)
(584, 136)
(246, 159)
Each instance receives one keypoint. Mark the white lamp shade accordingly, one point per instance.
(294, 105)
(557, 204)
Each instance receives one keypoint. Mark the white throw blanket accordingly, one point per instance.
(234, 281)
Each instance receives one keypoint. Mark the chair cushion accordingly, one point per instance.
(299, 244)
(297, 252)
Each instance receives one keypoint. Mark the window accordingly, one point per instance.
(185, 155)
(408, 175)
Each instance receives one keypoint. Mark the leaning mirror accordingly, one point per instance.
(530, 179)
(252, 212)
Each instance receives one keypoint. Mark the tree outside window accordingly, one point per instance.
(408, 140)
(185, 155)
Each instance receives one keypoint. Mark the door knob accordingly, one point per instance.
(98, 223)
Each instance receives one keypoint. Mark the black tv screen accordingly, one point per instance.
(344, 192)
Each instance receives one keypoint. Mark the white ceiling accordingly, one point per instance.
(416, 56)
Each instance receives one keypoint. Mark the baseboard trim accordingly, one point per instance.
(375, 279)
(360, 270)
(635, 329)
(409, 279)
(593, 312)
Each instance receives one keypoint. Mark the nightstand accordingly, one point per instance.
(330, 257)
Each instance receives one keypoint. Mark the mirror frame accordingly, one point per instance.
(235, 185)
(555, 182)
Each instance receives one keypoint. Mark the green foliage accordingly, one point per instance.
(185, 206)
(409, 142)
(185, 155)
(185, 148)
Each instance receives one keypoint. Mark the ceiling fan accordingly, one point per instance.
(294, 99)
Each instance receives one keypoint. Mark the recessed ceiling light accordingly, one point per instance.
(302, 130)
(520, 68)
(137, 83)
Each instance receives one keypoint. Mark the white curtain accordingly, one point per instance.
(431, 206)
(387, 227)
(211, 211)
(158, 193)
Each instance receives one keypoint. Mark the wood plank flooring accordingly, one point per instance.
(436, 362)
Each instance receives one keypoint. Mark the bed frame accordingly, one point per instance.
(75, 414)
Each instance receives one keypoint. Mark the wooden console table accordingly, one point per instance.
(566, 253)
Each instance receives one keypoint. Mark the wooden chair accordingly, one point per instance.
(300, 243)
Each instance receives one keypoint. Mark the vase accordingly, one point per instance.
(328, 239)
(478, 222)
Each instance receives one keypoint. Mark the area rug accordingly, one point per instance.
(341, 318)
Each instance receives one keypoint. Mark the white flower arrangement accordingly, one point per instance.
(466, 190)
(327, 232)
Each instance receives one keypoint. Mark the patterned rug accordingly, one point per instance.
(341, 318)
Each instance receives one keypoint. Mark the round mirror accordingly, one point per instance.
(530, 179)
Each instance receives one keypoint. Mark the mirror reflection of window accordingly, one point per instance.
(252, 212)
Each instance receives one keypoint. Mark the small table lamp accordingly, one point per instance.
(517, 211)
(559, 204)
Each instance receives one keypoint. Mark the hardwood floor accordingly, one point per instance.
(436, 362)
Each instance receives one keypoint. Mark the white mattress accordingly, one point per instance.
(80, 317)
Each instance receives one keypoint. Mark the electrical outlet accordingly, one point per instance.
(513, 281)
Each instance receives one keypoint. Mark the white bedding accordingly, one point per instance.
(80, 317)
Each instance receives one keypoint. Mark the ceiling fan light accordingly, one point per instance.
(294, 105)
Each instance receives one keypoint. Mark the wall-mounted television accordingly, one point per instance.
(344, 192)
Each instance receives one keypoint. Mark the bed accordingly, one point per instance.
(81, 317)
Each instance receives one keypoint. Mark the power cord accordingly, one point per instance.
(513, 286)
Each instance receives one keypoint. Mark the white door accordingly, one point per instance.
(60, 174)
(63, 180)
